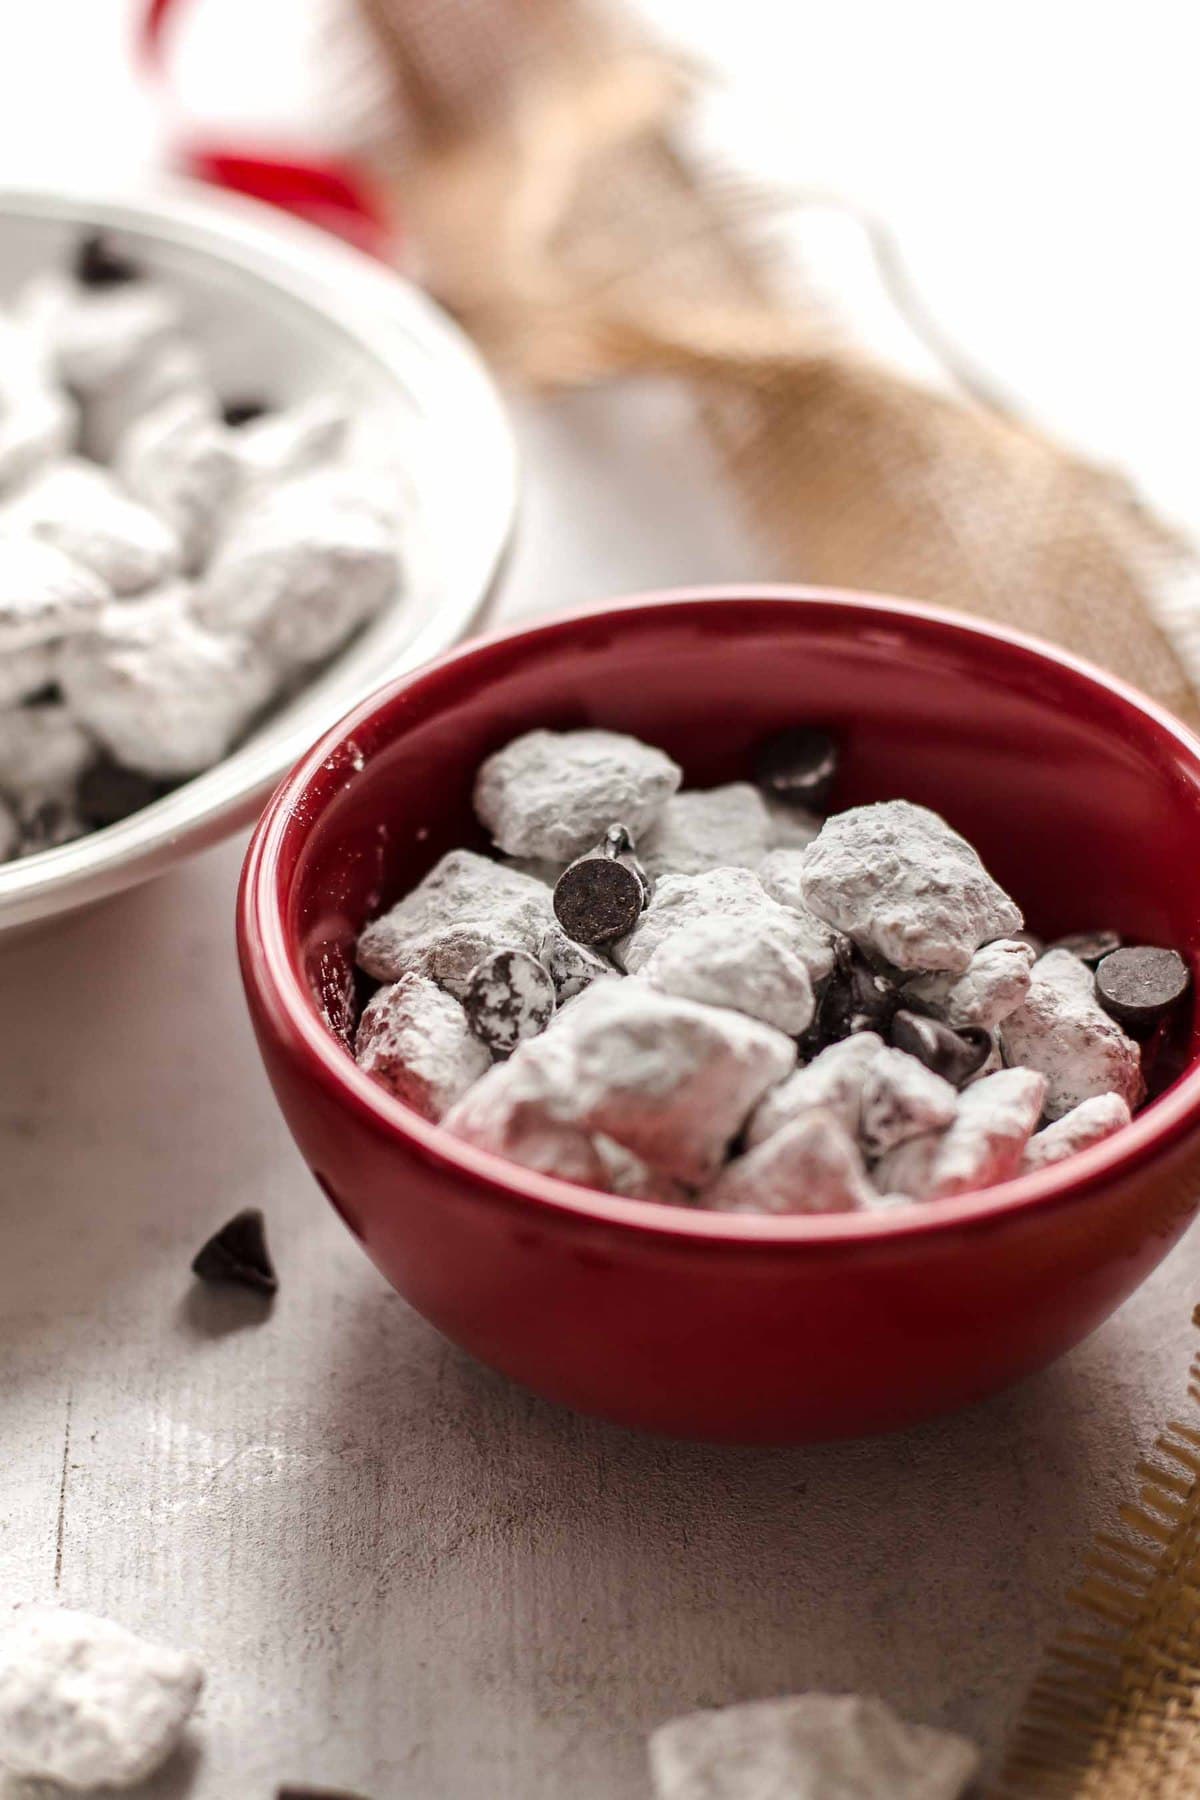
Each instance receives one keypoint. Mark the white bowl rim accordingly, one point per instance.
(408, 335)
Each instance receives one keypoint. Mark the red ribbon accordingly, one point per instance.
(326, 191)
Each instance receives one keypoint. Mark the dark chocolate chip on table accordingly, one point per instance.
(509, 996)
(243, 411)
(602, 894)
(798, 767)
(238, 1253)
(316, 1793)
(107, 792)
(955, 1055)
(1140, 984)
(99, 263)
(1090, 947)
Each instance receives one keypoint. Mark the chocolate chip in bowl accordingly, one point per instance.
(839, 1235)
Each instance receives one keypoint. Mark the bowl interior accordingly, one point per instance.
(282, 312)
(1083, 802)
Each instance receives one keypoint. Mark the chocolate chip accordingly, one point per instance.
(238, 1253)
(798, 767)
(313, 1793)
(1139, 985)
(243, 411)
(1091, 947)
(509, 996)
(571, 966)
(107, 793)
(955, 1055)
(856, 997)
(99, 264)
(602, 894)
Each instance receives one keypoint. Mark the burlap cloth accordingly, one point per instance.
(534, 147)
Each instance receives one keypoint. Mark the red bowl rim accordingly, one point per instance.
(269, 972)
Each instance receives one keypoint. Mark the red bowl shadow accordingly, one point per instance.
(1082, 797)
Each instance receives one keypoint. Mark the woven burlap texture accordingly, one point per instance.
(540, 179)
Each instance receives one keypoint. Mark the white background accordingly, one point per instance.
(404, 1576)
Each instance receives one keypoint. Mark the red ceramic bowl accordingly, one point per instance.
(1082, 797)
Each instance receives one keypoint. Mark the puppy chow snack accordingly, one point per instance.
(1062, 1029)
(86, 1703)
(670, 1080)
(808, 1747)
(902, 884)
(832, 1082)
(1088, 1123)
(811, 1165)
(78, 507)
(853, 1024)
(415, 1039)
(162, 695)
(120, 474)
(553, 794)
(466, 907)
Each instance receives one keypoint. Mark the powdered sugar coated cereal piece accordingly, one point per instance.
(464, 908)
(77, 506)
(294, 440)
(179, 461)
(172, 374)
(1062, 1030)
(810, 1165)
(163, 696)
(902, 1099)
(671, 1080)
(779, 872)
(908, 1169)
(571, 966)
(37, 424)
(707, 828)
(96, 337)
(628, 1175)
(510, 1111)
(43, 752)
(679, 901)
(44, 596)
(24, 673)
(983, 1146)
(993, 985)
(553, 794)
(833, 1081)
(901, 883)
(809, 1747)
(755, 965)
(86, 1703)
(416, 1041)
(303, 567)
(1088, 1123)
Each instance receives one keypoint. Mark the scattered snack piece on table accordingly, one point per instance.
(810, 1747)
(86, 1703)
(238, 1253)
(169, 567)
(649, 993)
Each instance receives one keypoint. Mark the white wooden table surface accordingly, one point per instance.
(404, 1576)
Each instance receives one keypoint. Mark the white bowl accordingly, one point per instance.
(283, 310)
